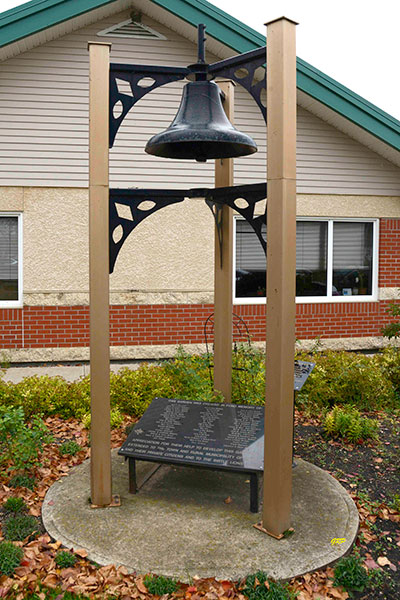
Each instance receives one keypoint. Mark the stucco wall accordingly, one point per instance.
(168, 259)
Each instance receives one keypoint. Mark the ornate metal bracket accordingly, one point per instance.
(242, 70)
(128, 208)
(243, 199)
(141, 79)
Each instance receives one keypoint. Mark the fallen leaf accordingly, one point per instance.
(371, 564)
(140, 586)
(383, 560)
(81, 552)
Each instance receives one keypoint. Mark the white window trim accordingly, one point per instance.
(329, 298)
(16, 303)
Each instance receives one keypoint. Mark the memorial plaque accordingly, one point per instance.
(220, 436)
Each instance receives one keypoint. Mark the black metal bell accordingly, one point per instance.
(201, 129)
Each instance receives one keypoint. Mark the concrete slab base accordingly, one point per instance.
(181, 524)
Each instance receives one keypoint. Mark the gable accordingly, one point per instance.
(27, 21)
(44, 113)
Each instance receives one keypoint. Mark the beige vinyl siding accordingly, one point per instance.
(44, 125)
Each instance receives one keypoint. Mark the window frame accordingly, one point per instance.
(329, 298)
(16, 303)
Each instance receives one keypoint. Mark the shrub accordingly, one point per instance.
(248, 375)
(65, 559)
(14, 504)
(259, 587)
(159, 585)
(388, 361)
(17, 528)
(132, 391)
(20, 442)
(346, 378)
(189, 377)
(22, 480)
(392, 330)
(10, 558)
(350, 574)
(37, 394)
(116, 419)
(69, 448)
(348, 423)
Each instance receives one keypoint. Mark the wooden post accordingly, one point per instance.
(100, 462)
(223, 267)
(281, 275)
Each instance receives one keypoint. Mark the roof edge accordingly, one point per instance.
(37, 15)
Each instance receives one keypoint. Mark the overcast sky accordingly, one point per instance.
(357, 42)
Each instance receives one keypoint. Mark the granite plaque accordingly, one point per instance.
(220, 436)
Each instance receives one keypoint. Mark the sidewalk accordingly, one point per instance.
(70, 372)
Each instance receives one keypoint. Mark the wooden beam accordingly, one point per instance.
(223, 268)
(281, 274)
(100, 461)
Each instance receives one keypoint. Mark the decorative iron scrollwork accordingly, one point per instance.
(133, 75)
(126, 212)
(242, 70)
(127, 209)
(231, 196)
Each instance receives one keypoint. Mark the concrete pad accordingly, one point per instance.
(180, 525)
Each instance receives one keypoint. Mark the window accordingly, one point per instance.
(336, 260)
(10, 260)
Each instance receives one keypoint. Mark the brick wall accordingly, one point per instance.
(389, 253)
(68, 326)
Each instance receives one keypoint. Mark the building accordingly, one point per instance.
(348, 169)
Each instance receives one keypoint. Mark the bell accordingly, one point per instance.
(201, 129)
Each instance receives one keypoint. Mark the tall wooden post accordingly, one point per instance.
(281, 274)
(223, 267)
(100, 462)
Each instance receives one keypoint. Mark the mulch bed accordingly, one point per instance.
(370, 473)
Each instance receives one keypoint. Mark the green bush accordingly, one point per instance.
(19, 527)
(347, 423)
(392, 330)
(346, 378)
(10, 558)
(116, 419)
(132, 391)
(259, 587)
(14, 504)
(159, 585)
(350, 574)
(22, 480)
(21, 442)
(69, 448)
(248, 375)
(37, 394)
(388, 361)
(189, 377)
(368, 383)
(65, 559)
